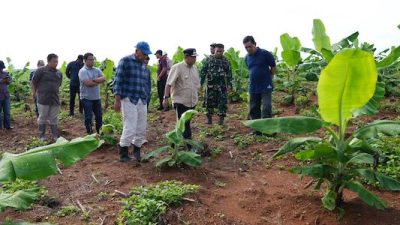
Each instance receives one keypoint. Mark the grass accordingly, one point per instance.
(147, 203)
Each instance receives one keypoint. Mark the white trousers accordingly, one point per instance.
(134, 119)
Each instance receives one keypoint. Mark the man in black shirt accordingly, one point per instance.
(72, 73)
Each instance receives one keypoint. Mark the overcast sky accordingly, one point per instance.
(32, 29)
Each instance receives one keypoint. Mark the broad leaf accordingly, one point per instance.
(328, 55)
(346, 84)
(361, 158)
(291, 124)
(189, 158)
(390, 59)
(291, 50)
(320, 38)
(329, 200)
(365, 195)
(372, 107)
(345, 42)
(186, 117)
(384, 182)
(294, 143)
(40, 162)
(156, 152)
(371, 130)
(323, 150)
(165, 161)
(108, 70)
(316, 171)
(20, 200)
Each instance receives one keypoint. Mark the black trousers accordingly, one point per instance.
(73, 91)
(160, 90)
(180, 109)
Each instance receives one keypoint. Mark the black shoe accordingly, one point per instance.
(71, 114)
(123, 154)
(221, 120)
(136, 153)
(209, 119)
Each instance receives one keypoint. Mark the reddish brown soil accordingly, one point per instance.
(257, 190)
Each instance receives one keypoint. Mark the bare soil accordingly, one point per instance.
(239, 186)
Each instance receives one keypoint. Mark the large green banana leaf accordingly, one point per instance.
(290, 124)
(294, 143)
(320, 38)
(20, 200)
(346, 84)
(175, 136)
(41, 162)
(372, 129)
(291, 50)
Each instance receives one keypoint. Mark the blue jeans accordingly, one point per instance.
(91, 107)
(5, 116)
(260, 105)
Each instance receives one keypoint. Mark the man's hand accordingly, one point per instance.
(117, 105)
(165, 103)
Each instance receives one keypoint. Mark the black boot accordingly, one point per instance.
(209, 119)
(123, 154)
(136, 153)
(42, 132)
(221, 120)
(54, 132)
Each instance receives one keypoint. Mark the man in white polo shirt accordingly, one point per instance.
(183, 85)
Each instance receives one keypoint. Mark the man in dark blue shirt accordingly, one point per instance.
(72, 72)
(261, 64)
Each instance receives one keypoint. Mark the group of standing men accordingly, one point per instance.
(181, 82)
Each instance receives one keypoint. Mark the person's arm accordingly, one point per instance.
(172, 76)
(100, 79)
(203, 71)
(84, 78)
(34, 82)
(167, 95)
(68, 71)
(271, 63)
(164, 68)
(118, 85)
(228, 75)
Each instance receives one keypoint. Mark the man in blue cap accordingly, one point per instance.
(131, 97)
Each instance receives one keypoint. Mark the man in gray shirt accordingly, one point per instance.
(46, 88)
(89, 78)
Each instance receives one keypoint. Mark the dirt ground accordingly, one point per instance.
(238, 186)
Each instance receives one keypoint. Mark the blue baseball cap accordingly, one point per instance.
(144, 47)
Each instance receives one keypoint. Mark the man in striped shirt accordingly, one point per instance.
(131, 96)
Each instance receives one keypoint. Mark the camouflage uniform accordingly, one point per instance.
(217, 74)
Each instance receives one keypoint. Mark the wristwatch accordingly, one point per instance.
(165, 97)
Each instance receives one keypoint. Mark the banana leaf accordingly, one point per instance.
(365, 195)
(41, 162)
(290, 124)
(20, 200)
(346, 84)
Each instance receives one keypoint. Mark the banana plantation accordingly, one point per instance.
(330, 154)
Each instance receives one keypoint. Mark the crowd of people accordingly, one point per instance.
(132, 89)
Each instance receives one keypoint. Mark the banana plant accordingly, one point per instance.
(176, 142)
(19, 87)
(108, 69)
(344, 158)
(291, 58)
(39, 163)
(240, 76)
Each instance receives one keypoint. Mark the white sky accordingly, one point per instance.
(31, 29)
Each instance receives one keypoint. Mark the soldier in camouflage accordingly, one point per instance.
(216, 73)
